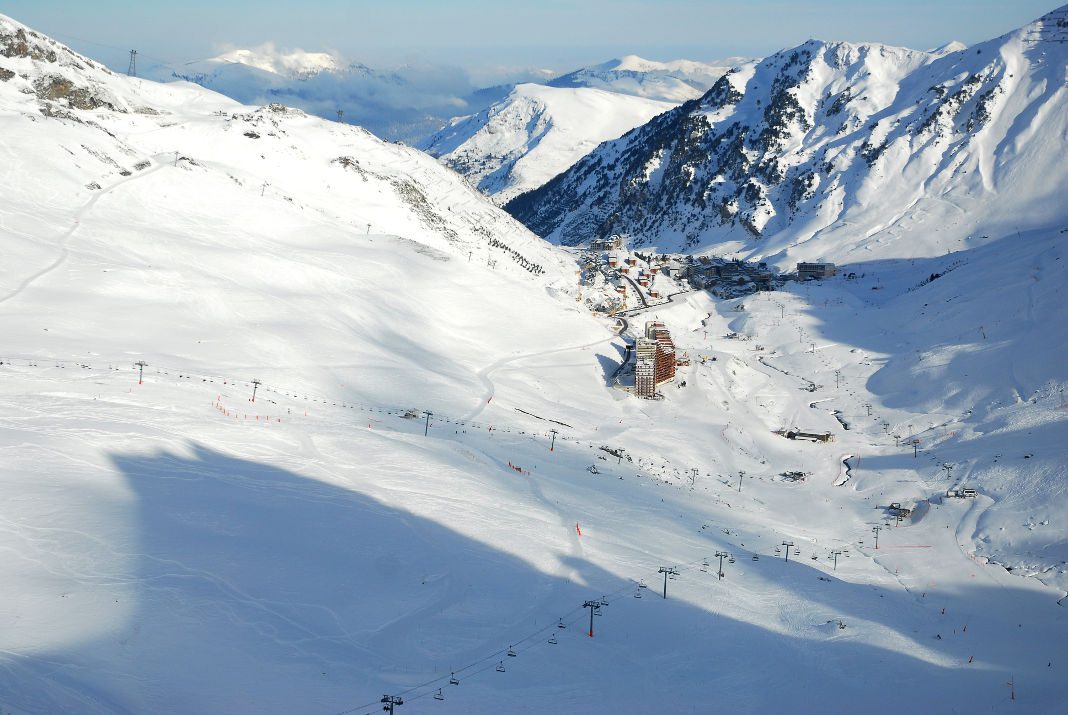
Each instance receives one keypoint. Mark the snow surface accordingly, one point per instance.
(675, 81)
(173, 547)
(535, 133)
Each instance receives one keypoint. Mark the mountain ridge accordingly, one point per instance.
(790, 149)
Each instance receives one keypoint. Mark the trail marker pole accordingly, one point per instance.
(667, 571)
(593, 606)
(429, 414)
(789, 545)
(255, 384)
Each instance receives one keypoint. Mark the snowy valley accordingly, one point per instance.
(294, 419)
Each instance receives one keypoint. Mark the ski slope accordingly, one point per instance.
(171, 546)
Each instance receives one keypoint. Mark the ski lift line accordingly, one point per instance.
(511, 649)
(124, 50)
(432, 684)
(537, 634)
(280, 389)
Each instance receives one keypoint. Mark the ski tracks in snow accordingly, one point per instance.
(491, 390)
(81, 212)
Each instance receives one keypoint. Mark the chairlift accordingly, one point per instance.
(778, 550)
(641, 584)
(552, 639)
(560, 623)
(797, 552)
(500, 667)
(814, 557)
(453, 680)
(637, 594)
(511, 652)
(756, 558)
(438, 695)
(604, 600)
(730, 560)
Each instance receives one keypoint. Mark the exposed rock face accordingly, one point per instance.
(55, 88)
(18, 44)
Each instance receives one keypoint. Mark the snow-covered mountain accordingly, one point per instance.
(676, 81)
(535, 133)
(832, 146)
(229, 174)
(374, 455)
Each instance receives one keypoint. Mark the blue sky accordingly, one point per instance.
(485, 36)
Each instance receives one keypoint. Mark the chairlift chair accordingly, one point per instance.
(637, 594)
(438, 695)
(797, 552)
(604, 600)
(756, 558)
(730, 560)
(511, 652)
(500, 667)
(552, 639)
(560, 623)
(453, 680)
(641, 584)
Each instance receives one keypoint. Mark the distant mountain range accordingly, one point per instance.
(833, 146)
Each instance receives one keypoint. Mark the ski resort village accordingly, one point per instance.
(634, 386)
